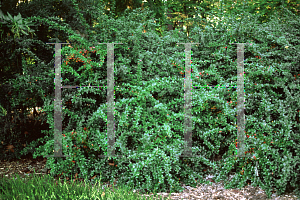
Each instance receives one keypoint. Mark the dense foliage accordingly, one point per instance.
(28, 52)
(149, 113)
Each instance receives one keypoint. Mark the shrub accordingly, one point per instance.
(149, 110)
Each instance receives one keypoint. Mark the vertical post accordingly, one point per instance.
(240, 100)
(110, 101)
(188, 125)
(57, 104)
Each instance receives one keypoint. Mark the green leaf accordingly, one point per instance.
(1, 14)
(30, 30)
(6, 18)
(18, 17)
(4, 112)
(3, 22)
(10, 17)
(22, 27)
(20, 22)
(24, 32)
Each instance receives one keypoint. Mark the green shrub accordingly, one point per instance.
(271, 65)
(149, 113)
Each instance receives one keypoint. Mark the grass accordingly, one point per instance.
(47, 188)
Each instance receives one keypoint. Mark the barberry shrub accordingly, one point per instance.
(149, 108)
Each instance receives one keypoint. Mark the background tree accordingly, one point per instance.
(7, 71)
(35, 59)
(11, 62)
(180, 13)
(264, 8)
(170, 14)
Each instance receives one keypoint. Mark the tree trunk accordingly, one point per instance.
(169, 25)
